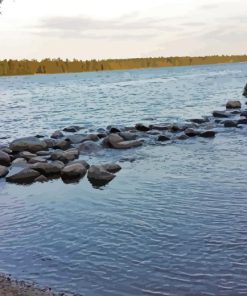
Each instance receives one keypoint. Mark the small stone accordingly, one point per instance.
(72, 129)
(83, 162)
(190, 132)
(41, 179)
(233, 105)
(63, 144)
(221, 114)
(57, 135)
(19, 161)
(141, 127)
(31, 144)
(27, 155)
(199, 120)
(111, 167)
(207, 134)
(37, 159)
(4, 158)
(163, 138)
(43, 153)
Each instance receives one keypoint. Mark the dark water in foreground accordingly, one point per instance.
(174, 222)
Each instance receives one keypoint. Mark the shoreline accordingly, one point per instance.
(12, 287)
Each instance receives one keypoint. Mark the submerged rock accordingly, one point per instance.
(27, 155)
(233, 105)
(163, 138)
(141, 127)
(230, 123)
(37, 159)
(89, 147)
(242, 121)
(4, 159)
(25, 176)
(3, 171)
(31, 144)
(98, 176)
(220, 114)
(191, 132)
(72, 129)
(199, 120)
(65, 156)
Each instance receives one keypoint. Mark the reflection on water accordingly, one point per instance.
(173, 222)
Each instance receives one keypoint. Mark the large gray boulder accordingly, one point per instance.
(25, 176)
(31, 144)
(99, 176)
(4, 158)
(3, 171)
(46, 169)
(73, 171)
(233, 105)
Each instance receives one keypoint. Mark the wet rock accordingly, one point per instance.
(72, 129)
(221, 114)
(160, 127)
(191, 132)
(57, 135)
(3, 171)
(153, 133)
(27, 155)
(73, 171)
(31, 144)
(59, 164)
(46, 169)
(65, 156)
(182, 137)
(101, 135)
(118, 142)
(242, 121)
(163, 138)
(43, 153)
(41, 179)
(98, 176)
(19, 161)
(83, 162)
(39, 136)
(25, 176)
(207, 134)
(243, 113)
(7, 150)
(76, 139)
(111, 167)
(89, 147)
(175, 128)
(50, 143)
(233, 105)
(63, 144)
(141, 127)
(114, 130)
(4, 158)
(37, 159)
(235, 112)
(128, 136)
(230, 123)
(245, 91)
(199, 120)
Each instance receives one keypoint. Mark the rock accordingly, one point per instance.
(221, 114)
(19, 161)
(25, 176)
(98, 176)
(175, 128)
(182, 137)
(199, 120)
(73, 171)
(57, 135)
(153, 133)
(4, 158)
(191, 132)
(59, 164)
(7, 150)
(111, 167)
(160, 127)
(72, 129)
(89, 147)
(243, 113)
(37, 159)
(233, 105)
(245, 91)
(65, 156)
(230, 123)
(118, 142)
(141, 127)
(127, 136)
(63, 144)
(41, 179)
(242, 121)
(39, 136)
(3, 171)
(43, 153)
(207, 134)
(31, 144)
(235, 112)
(50, 143)
(163, 138)
(101, 135)
(46, 169)
(114, 129)
(77, 138)
(27, 155)
(83, 162)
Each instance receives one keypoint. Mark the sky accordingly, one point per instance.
(100, 29)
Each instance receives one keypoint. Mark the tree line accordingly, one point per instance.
(52, 66)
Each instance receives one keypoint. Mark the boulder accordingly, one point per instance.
(128, 136)
(57, 135)
(230, 123)
(111, 167)
(117, 142)
(46, 169)
(242, 121)
(31, 144)
(3, 171)
(37, 159)
(73, 171)
(65, 156)
(233, 105)
(27, 155)
(98, 176)
(199, 120)
(83, 162)
(72, 129)
(19, 161)
(50, 143)
(207, 134)
(4, 158)
(25, 176)
(141, 127)
(43, 153)
(191, 132)
(62, 144)
(220, 114)
(163, 138)
(89, 147)
(76, 138)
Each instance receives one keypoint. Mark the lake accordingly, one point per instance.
(173, 222)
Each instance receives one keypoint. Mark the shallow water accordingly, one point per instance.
(174, 222)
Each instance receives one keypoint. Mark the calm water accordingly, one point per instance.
(174, 222)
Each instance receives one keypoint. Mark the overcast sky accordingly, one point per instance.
(86, 29)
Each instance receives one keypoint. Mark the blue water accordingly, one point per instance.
(173, 222)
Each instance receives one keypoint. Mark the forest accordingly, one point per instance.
(52, 66)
